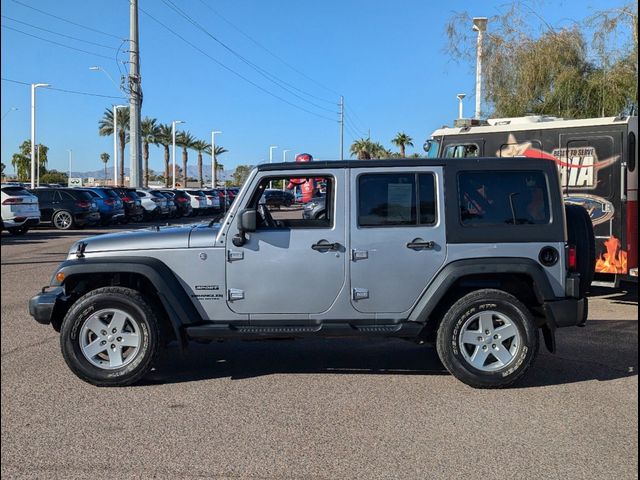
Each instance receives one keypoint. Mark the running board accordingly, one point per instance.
(213, 331)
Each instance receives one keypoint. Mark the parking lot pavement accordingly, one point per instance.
(313, 408)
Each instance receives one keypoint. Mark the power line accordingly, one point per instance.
(56, 43)
(68, 21)
(63, 90)
(259, 87)
(269, 76)
(274, 55)
(60, 34)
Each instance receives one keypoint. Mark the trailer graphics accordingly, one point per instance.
(596, 159)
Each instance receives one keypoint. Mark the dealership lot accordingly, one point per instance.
(313, 408)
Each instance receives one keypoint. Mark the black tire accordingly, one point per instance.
(580, 235)
(18, 230)
(498, 304)
(58, 222)
(137, 310)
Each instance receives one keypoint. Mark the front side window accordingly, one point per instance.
(294, 202)
(503, 198)
(462, 151)
(404, 199)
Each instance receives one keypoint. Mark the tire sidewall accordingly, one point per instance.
(57, 214)
(450, 330)
(70, 340)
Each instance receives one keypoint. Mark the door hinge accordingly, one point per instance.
(360, 293)
(359, 254)
(235, 294)
(234, 255)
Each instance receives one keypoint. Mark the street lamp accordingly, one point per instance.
(70, 154)
(460, 97)
(271, 149)
(9, 111)
(284, 159)
(214, 169)
(98, 68)
(480, 26)
(115, 143)
(173, 151)
(33, 130)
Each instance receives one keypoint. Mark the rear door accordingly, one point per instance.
(397, 236)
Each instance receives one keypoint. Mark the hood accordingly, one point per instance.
(153, 238)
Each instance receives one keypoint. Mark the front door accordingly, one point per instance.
(397, 236)
(293, 265)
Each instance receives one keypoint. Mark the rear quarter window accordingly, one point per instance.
(503, 198)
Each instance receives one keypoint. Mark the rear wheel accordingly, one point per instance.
(487, 339)
(581, 236)
(63, 220)
(110, 337)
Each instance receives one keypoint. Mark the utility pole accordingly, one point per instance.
(341, 127)
(479, 25)
(135, 97)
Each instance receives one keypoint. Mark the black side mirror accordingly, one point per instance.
(246, 223)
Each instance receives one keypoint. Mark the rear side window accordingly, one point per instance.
(79, 195)
(404, 199)
(15, 191)
(499, 198)
(44, 195)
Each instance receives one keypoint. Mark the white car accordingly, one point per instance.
(198, 201)
(154, 203)
(20, 209)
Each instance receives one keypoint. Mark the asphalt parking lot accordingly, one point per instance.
(313, 408)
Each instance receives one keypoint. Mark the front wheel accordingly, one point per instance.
(110, 337)
(487, 339)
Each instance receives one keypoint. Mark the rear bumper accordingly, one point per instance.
(568, 312)
(41, 305)
(20, 221)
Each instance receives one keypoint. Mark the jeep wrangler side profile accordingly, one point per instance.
(476, 256)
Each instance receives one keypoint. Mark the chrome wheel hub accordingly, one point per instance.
(489, 341)
(110, 339)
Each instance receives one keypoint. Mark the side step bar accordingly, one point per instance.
(215, 331)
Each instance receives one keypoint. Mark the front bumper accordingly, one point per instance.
(41, 306)
(569, 312)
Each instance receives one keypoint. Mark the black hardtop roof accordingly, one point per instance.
(480, 162)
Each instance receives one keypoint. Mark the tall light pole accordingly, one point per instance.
(173, 150)
(135, 99)
(480, 26)
(33, 130)
(70, 156)
(38, 162)
(115, 143)
(214, 166)
(460, 97)
(284, 155)
(271, 149)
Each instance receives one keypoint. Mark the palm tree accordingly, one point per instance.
(186, 141)
(401, 141)
(165, 138)
(362, 149)
(105, 129)
(217, 166)
(104, 156)
(200, 146)
(150, 131)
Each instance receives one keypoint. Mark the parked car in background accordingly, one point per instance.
(213, 200)
(20, 209)
(198, 201)
(277, 198)
(109, 205)
(154, 203)
(171, 204)
(182, 201)
(133, 209)
(66, 208)
(315, 209)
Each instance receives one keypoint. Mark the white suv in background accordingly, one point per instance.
(20, 209)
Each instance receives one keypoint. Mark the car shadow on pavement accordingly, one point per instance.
(603, 350)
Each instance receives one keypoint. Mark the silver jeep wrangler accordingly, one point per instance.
(476, 256)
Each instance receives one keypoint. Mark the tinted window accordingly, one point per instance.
(387, 199)
(427, 196)
(16, 191)
(44, 195)
(631, 161)
(512, 198)
(93, 193)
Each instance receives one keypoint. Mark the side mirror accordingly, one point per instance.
(246, 223)
(247, 220)
(427, 146)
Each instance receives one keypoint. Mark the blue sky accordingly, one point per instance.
(386, 58)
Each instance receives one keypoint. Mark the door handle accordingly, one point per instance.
(417, 244)
(323, 246)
